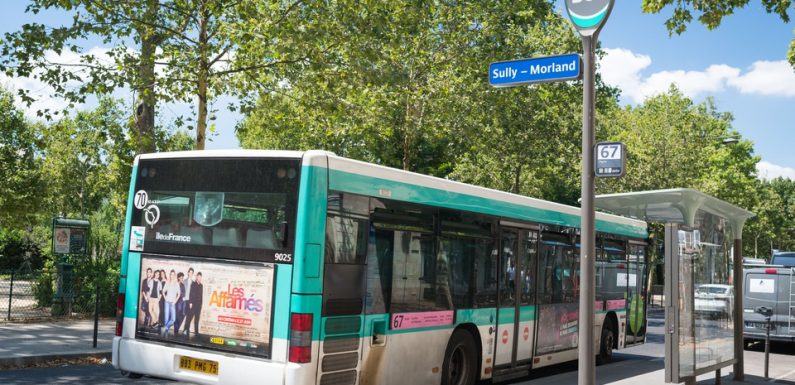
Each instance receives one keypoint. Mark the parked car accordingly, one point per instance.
(715, 300)
(771, 286)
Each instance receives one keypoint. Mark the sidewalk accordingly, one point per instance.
(633, 369)
(28, 344)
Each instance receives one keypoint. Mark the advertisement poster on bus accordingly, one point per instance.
(562, 319)
(218, 305)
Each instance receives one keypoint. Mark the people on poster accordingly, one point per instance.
(180, 306)
(195, 304)
(154, 300)
(171, 293)
(145, 289)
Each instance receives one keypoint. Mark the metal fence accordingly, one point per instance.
(35, 296)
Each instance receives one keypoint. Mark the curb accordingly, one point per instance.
(26, 361)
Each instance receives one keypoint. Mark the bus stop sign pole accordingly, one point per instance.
(588, 17)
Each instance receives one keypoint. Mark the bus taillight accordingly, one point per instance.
(119, 313)
(300, 337)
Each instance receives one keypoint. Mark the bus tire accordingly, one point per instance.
(460, 366)
(131, 375)
(606, 346)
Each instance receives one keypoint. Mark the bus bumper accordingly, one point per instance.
(160, 360)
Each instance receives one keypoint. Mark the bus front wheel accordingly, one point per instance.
(459, 366)
(606, 346)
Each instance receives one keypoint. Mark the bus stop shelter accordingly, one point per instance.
(703, 277)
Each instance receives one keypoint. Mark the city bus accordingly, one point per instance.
(254, 266)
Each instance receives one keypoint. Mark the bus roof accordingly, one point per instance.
(350, 166)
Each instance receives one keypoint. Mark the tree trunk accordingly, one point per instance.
(145, 110)
(204, 72)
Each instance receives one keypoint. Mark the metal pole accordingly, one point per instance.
(10, 297)
(96, 315)
(739, 364)
(767, 346)
(586, 370)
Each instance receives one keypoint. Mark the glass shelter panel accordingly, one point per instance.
(706, 296)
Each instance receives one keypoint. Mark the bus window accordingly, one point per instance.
(216, 208)
(346, 229)
(528, 274)
(405, 243)
(558, 270)
(467, 244)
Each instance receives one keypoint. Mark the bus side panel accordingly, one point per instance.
(132, 287)
(310, 229)
(126, 242)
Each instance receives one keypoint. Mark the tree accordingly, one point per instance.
(20, 173)
(403, 84)
(711, 13)
(198, 47)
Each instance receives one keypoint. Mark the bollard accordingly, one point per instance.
(767, 346)
(10, 297)
(96, 315)
(767, 313)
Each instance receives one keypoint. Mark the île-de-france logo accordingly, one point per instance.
(151, 211)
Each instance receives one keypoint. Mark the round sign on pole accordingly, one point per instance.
(588, 16)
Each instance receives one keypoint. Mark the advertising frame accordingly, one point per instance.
(222, 348)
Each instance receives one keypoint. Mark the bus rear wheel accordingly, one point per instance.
(460, 366)
(606, 346)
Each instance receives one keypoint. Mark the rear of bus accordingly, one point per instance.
(206, 292)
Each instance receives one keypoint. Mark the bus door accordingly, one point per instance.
(515, 318)
(636, 293)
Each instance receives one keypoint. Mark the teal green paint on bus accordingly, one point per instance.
(281, 301)
(506, 315)
(133, 283)
(308, 303)
(127, 223)
(310, 231)
(527, 313)
(359, 184)
(479, 317)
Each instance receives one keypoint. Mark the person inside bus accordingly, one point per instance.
(145, 289)
(171, 293)
(154, 300)
(195, 305)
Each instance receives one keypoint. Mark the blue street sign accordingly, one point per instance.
(535, 70)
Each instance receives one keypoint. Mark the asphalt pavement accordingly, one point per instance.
(641, 364)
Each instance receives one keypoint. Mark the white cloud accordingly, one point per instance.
(623, 68)
(767, 170)
(43, 93)
(767, 78)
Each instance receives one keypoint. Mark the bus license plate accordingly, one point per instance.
(197, 365)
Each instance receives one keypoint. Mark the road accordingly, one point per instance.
(636, 361)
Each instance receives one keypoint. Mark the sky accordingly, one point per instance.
(741, 65)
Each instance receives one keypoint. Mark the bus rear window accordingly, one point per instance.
(226, 208)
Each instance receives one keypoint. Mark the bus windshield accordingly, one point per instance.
(233, 208)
